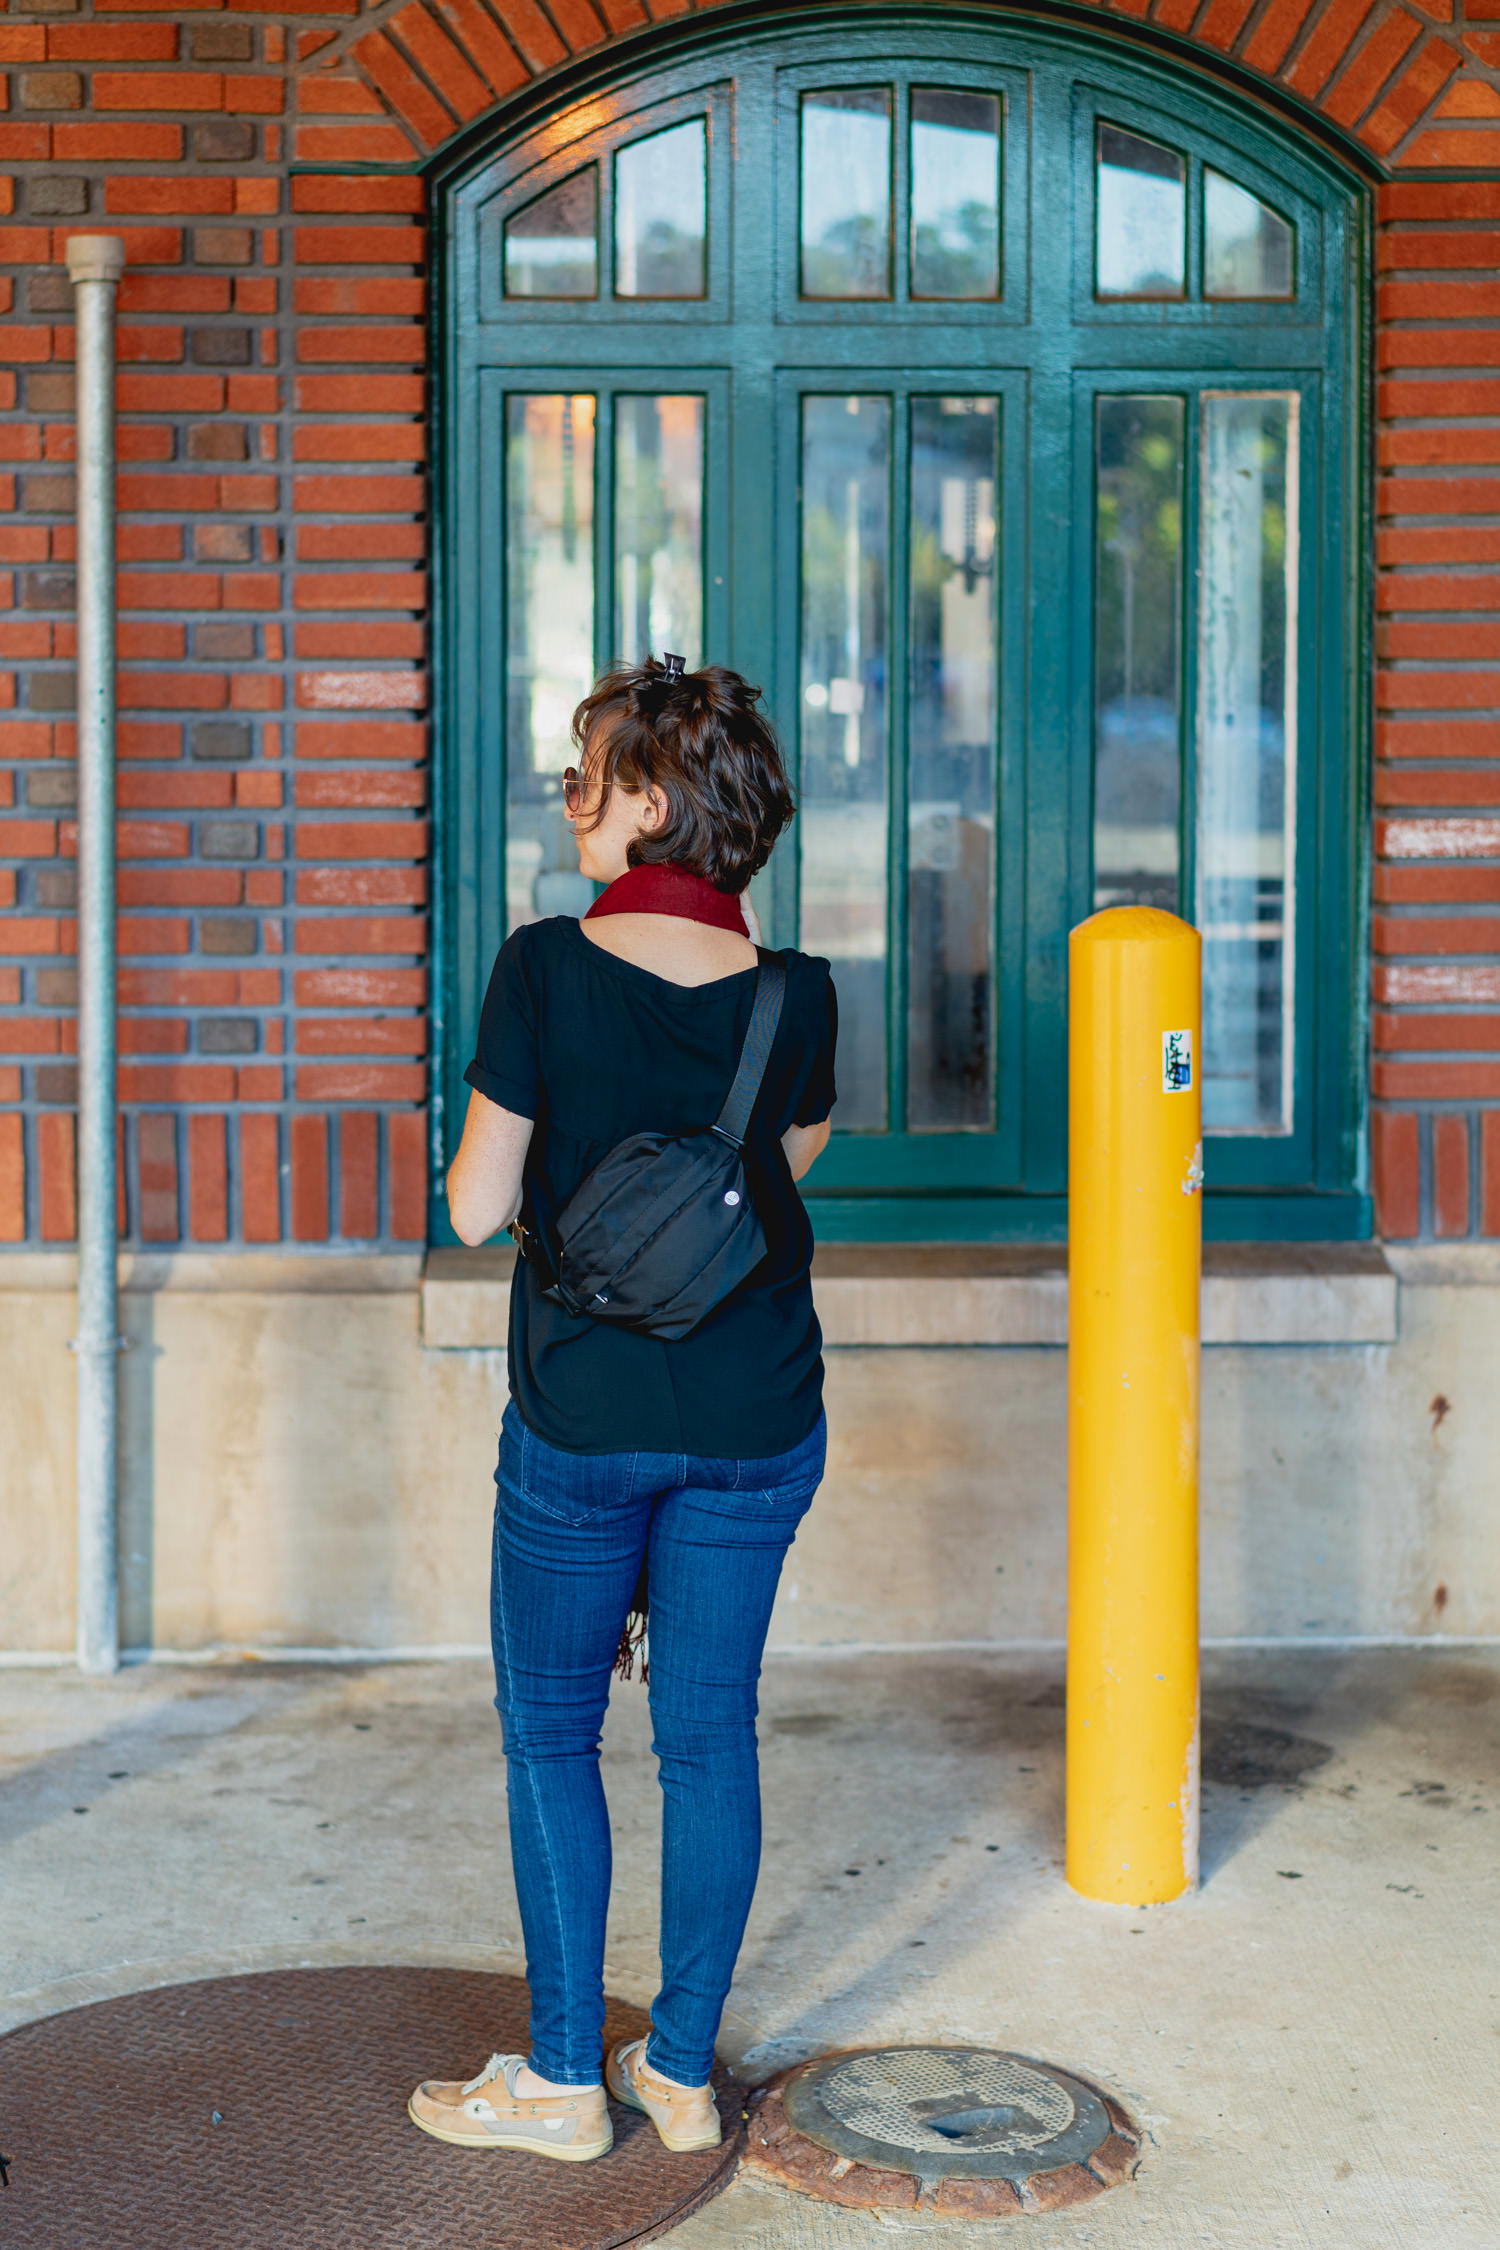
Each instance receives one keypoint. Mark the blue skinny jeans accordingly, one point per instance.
(570, 1531)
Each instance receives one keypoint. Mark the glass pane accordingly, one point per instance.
(658, 527)
(661, 214)
(844, 816)
(846, 192)
(955, 449)
(549, 639)
(1246, 751)
(552, 245)
(1247, 247)
(955, 193)
(1138, 586)
(1141, 239)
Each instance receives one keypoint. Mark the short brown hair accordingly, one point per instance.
(699, 738)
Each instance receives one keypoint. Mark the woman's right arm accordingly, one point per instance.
(484, 1179)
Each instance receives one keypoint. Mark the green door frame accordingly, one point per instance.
(1046, 349)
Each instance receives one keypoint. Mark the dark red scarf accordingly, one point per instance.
(666, 887)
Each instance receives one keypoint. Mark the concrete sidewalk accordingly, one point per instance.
(1310, 2040)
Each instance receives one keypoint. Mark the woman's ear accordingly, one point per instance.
(654, 807)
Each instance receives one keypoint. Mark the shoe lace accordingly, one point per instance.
(492, 2069)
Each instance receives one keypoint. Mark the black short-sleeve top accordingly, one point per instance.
(595, 1048)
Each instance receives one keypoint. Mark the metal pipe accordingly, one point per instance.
(1135, 1255)
(95, 263)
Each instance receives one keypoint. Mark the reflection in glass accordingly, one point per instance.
(552, 244)
(1137, 602)
(661, 214)
(1246, 755)
(951, 839)
(658, 526)
(1247, 247)
(846, 192)
(844, 811)
(1141, 223)
(549, 567)
(955, 193)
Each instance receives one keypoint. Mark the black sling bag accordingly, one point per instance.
(663, 1226)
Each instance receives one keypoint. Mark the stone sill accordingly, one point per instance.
(946, 1294)
(257, 1273)
(867, 1294)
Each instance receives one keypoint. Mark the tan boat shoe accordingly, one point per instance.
(485, 2111)
(684, 2116)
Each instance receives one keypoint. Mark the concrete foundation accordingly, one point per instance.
(308, 1452)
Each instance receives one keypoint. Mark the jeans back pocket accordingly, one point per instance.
(574, 1488)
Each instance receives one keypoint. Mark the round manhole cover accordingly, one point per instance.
(268, 2112)
(961, 2129)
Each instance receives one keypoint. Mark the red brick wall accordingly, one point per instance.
(273, 581)
(1436, 928)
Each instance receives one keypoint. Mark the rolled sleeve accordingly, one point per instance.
(504, 1068)
(821, 1092)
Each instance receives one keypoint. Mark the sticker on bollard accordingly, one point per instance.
(961, 2129)
(1176, 1061)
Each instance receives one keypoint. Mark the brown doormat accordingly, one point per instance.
(268, 2112)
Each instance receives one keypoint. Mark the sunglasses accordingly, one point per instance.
(575, 788)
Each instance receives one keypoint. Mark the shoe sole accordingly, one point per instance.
(620, 2086)
(576, 2155)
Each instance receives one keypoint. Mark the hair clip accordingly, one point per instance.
(672, 665)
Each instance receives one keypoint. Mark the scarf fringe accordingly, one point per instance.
(632, 1637)
(633, 1632)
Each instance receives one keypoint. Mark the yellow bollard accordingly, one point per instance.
(1135, 1235)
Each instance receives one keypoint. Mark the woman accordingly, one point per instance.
(697, 1456)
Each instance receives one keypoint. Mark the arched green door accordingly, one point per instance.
(991, 398)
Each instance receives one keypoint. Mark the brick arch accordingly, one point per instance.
(1408, 85)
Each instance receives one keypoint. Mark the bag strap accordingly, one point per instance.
(770, 990)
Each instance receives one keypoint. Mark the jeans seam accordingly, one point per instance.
(572, 1523)
(559, 1920)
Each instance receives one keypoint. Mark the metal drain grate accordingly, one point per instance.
(268, 2112)
(961, 2129)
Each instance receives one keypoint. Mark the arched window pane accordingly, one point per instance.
(661, 214)
(846, 192)
(1137, 661)
(955, 479)
(844, 812)
(1247, 247)
(658, 526)
(552, 244)
(1141, 224)
(549, 641)
(1246, 756)
(955, 193)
